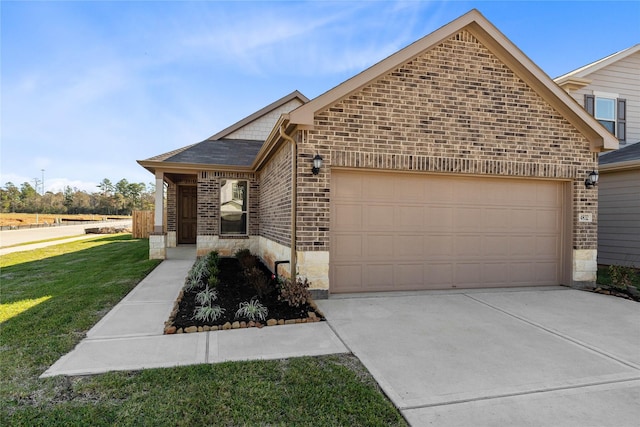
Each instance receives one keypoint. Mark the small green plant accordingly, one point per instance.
(241, 253)
(259, 281)
(294, 293)
(212, 260)
(207, 313)
(621, 276)
(213, 281)
(252, 310)
(206, 297)
(197, 274)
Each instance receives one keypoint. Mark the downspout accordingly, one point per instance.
(294, 187)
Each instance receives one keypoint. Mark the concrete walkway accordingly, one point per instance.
(525, 357)
(131, 336)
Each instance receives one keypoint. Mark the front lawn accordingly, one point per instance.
(50, 297)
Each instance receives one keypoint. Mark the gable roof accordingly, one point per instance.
(624, 158)
(218, 151)
(255, 116)
(598, 65)
(500, 46)
(164, 156)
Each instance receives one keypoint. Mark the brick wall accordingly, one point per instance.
(275, 197)
(209, 201)
(455, 109)
(172, 207)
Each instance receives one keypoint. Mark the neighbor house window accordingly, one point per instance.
(233, 207)
(610, 111)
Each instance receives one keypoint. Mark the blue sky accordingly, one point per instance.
(88, 88)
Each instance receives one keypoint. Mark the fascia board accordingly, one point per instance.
(190, 168)
(600, 139)
(600, 63)
(620, 166)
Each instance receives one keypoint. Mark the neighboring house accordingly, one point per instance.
(455, 162)
(619, 207)
(609, 89)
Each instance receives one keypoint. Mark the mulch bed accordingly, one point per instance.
(232, 290)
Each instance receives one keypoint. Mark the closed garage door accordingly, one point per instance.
(414, 231)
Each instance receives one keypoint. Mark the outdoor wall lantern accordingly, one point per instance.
(592, 180)
(317, 164)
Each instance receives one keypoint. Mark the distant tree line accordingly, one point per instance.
(120, 198)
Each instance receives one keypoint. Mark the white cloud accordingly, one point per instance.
(309, 39)
(56, 185)
(16, 179)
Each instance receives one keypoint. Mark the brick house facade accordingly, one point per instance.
(460, 109)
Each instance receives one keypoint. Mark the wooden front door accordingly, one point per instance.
(187, 214)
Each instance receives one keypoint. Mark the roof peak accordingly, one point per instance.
(600, 63)
(263, 111)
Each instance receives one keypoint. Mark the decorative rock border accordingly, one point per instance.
(170, 328)
(631, 293)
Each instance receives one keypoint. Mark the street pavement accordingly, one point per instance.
(10, 238)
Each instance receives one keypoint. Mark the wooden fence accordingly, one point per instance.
(142, 224)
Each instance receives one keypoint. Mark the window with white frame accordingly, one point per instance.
(233, 207)
(610, 110)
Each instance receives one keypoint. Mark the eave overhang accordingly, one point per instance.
(571, 84)
(620, 166)
(188, 168)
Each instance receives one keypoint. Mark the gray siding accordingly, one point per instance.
(619, 218)
(623, 78)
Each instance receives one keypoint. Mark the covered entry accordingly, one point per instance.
(401, 231)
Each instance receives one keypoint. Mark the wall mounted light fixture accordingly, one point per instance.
(317, 164)
(592, 180)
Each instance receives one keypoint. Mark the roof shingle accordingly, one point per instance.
(625, 154)
(229, 152)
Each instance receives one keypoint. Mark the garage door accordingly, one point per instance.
(394, 232)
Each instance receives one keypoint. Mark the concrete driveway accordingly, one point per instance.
(526, 357)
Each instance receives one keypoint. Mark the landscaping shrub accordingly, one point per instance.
(206, 297)
(207, 313)
(198, 273)
(252, 310)
(258, 281)
(294, 293)
(213, 262)
(621, 276)
(246, 259)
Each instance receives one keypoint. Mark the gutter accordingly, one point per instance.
(620, 166)
(294, 189)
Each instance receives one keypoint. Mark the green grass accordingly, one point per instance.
(52, 296)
